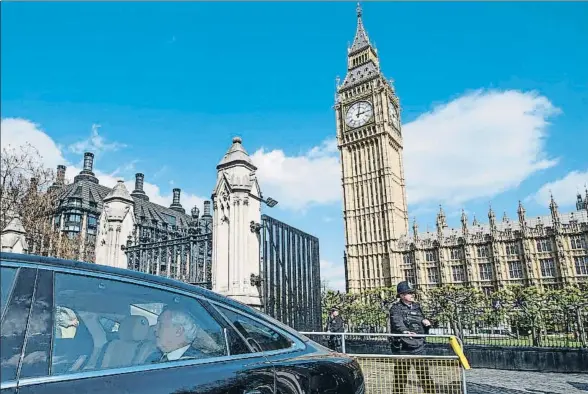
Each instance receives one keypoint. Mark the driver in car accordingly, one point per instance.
(179, 337)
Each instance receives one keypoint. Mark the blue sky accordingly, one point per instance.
(494, 98)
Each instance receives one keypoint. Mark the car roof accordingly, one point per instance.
(104, 269)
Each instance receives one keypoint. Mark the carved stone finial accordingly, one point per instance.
(358, 9)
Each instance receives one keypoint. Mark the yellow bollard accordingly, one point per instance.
(459, 352)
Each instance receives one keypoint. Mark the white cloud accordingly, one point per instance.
(298, 181)
(17, 132)
(477, 145)
(95, 143)
(333, 274)
(564, 190)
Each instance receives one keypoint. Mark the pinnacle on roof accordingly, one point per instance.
(14, 226)
(235, 154)
(361, 39)
(119, 192)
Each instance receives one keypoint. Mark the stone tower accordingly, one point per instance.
(117, 222)
(369, 138)
(235, 250)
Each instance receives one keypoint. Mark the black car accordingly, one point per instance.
(72, 327)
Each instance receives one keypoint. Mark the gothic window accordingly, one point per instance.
(515, 269)
(455, 254)
(578, 242)
(485, 271)
(458, 273)
(430, 256)
(433, 275)
(581, 264)
(512, 249)
(544, 245)
(547, 268)
(407, 258)
(410, 275)
(57, 221)
(482, 251)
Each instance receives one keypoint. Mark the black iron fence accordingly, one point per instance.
(290, 275)
(188, 258)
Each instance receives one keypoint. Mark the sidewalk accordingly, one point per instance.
(494, 381)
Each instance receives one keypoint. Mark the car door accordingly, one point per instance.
(82, 360)
(17, 293)
(284, 351)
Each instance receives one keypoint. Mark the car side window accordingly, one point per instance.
(15, 321)
(7, 281)
(259, 336)
(105, 324)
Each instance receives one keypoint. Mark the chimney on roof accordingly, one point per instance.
(176, 206)
(86, 173)
(206, 209)
(60, 177)
(138, 192)
(88, 163)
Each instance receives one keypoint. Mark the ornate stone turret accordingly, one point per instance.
(475, 221)
(522, 219)
(13, 237)
(415, 229)
(237, 210)
(554, 212)
(504, 217)
(117, 222)
(492, 219)
(464, 222)
(139, 192)
(441, 220)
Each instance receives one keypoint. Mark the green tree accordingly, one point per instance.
(570, 305)
(461, 307)
(526, 307)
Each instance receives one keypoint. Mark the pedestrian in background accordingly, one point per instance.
(407, 317)
(335, 324)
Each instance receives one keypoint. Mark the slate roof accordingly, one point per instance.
(92, 192)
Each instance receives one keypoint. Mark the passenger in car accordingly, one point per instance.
(178, 336)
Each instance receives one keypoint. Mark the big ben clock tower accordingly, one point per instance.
(369, 137)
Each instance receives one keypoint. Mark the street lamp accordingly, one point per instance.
(270, 202)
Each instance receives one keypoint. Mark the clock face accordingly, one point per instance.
(359, 114)
(393, 115)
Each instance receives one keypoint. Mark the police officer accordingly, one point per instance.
(406, 317)
(335, 324)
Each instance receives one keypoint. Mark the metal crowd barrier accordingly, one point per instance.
(402, 374)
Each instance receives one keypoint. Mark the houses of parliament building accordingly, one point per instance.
(547, 251)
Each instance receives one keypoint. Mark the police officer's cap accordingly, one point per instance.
(404, 287)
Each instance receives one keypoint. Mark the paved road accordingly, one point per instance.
(493, 381)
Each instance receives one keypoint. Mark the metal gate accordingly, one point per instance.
(290, 275)
(187, 258)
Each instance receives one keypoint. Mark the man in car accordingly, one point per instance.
(406, 317)
(178, 336)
